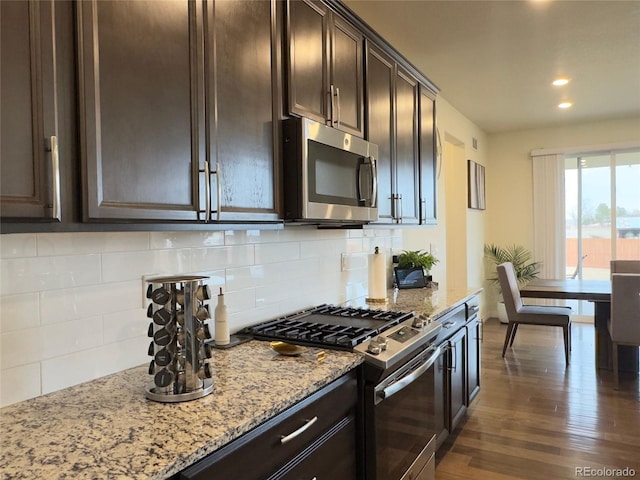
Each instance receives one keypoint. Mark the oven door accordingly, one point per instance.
(405, 421)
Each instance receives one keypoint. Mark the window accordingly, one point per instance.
(602, 212)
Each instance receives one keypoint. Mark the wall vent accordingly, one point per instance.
(474, 142)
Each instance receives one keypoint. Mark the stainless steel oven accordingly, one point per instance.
(329, 175)
(402, 414)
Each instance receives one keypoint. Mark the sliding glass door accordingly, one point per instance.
(602, 213)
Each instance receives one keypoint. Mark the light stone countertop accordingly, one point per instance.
(422, 301)
(107, 429)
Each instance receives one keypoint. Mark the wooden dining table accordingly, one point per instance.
(598, 292)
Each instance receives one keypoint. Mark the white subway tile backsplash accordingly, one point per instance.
(72, 303)
(244, 237)
(67, 370)
(18, 312)
(22, 275)
(236, 301)
(161, 240)
(19, 383)
(118, 267)
(277, 252)
(245, 277)
(18, 245)
(125, 325)
(223, 257)
(35, 344)
(91, 242)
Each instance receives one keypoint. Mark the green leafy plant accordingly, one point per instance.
(522, 259)
(416, 258)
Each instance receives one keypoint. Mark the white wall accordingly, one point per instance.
(71, 304)
(510, 176)
(460, 231)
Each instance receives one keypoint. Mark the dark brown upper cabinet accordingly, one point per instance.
(428, 158)
(392, 124)
(177, 110)
(30, 157)
(325, 66)
(141, 109)
(247, 101)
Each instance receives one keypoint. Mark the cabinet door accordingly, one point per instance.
(308, 42)
(380, 124)
(473, 359)
(457, 376)
(347, 77)
(428, 180)
(142, 127)
(30, 173)
(406, 158)
(245, 128)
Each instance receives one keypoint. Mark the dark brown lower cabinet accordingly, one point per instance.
(473, 358)
(457, 378)
(315, 438)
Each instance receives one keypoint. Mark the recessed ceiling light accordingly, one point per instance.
(565, 105)
(560, 81)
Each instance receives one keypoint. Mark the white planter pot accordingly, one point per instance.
(502, 313)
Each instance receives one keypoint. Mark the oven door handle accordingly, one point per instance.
(408, 379)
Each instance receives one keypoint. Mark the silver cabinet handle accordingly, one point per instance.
(338, 102)
(55, 169)
(399, 197)
(454, 365)
(218, 173)
(331, 105)
(438, 153)
(287, 438)
(423, 203)
(207, 187)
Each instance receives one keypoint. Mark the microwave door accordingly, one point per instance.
(366, 182)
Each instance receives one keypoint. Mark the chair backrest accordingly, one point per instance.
(510, 289)
(625, 266)
(625, 308)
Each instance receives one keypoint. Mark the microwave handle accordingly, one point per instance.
(374, 182)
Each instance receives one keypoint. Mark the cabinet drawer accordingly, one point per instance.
(339, 446)
(263, 447)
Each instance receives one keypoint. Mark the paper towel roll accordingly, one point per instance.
(377, 277)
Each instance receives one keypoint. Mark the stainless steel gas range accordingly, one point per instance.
(402, 397)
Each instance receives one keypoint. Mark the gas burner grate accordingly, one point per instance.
(329, 326)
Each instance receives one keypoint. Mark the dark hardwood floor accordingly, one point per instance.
(535, 419)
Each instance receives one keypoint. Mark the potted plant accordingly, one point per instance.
(525, 267)
(413, 268)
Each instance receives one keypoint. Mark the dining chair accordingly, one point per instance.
(625, 266)
(624, 324)
(518, 313)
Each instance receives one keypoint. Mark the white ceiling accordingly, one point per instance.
(494, 61)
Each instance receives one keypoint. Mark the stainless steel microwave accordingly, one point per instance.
(329, 176)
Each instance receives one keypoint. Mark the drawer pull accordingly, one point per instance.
(284, 439)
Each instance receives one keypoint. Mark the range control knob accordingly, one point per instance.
(373, 348)
(377, 345)
(420, 322)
